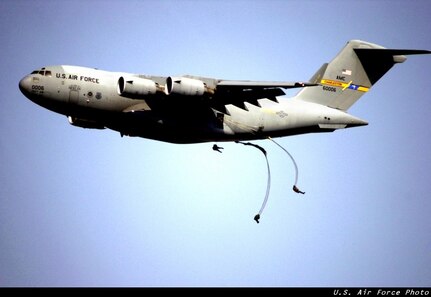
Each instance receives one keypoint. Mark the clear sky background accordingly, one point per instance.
(89, 208)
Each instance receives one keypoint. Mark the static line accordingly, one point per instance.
(293, 160)
(268, 187)
(295, 188)
(268, 183)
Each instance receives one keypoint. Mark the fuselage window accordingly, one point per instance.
(48, 73)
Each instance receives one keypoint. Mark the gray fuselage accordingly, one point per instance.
(93, 98)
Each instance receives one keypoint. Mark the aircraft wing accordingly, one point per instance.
(237, 92)
(248, 84)
(214, 93)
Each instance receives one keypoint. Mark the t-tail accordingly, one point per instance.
(352, 73)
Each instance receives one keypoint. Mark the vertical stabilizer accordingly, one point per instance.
(351, 74)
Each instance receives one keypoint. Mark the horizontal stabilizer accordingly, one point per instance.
(393, 52)
(377, 62)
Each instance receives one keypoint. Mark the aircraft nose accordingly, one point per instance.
(25, 85)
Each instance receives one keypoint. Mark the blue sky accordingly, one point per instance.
(89, 208)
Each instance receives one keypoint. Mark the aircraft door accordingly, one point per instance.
(74, 95)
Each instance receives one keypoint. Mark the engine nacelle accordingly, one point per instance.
(136, 87)
(184, 86)
(84, 123)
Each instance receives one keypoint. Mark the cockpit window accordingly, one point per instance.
(42, 72)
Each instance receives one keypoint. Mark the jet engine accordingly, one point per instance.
(185, 86)
(84, 123)
(136, 87)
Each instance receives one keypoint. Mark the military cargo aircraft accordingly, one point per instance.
(192, 109)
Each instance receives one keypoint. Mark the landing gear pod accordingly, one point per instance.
(84, 123)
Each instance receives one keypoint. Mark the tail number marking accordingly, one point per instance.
(329, 89)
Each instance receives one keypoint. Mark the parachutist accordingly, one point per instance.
(217, 148)
(295, 189)
(257, 218)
